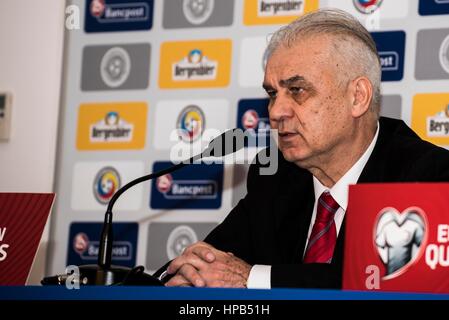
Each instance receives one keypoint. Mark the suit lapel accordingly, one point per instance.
(374, 170)
(293, 212)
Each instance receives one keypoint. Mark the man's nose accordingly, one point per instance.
(281, 108)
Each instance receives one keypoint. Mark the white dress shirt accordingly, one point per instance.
(260, 275)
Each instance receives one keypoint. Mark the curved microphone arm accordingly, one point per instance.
(105, 251)
(228, 142)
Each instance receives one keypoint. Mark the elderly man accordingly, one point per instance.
(323, 80)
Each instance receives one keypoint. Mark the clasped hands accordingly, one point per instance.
(201, 265)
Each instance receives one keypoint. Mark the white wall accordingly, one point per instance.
(31, 44)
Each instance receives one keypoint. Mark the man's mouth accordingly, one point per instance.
(287, 134)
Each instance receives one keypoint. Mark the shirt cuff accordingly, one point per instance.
(259, 277)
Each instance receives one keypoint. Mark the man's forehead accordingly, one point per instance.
(302, 50)
(299, 62)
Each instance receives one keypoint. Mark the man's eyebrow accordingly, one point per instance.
(286, 82)
(289, 81)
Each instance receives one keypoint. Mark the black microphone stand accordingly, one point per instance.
(104, 273)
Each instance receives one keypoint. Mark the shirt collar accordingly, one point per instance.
(340, 189)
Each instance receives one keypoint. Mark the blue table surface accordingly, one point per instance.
(162, 293)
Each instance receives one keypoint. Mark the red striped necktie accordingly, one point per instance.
(324, 233)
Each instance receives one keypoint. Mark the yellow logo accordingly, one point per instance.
(258, 12)
(111, 126)
(430, 118)
(195, 64)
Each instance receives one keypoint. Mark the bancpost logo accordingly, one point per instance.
(198, 186)
(111, 126)
(391, 48)
(252, 117)
(118, 15)
(195, 64)
(186, 189)
(260, 12)
(430, 117)
(84, 243)
(433, 7)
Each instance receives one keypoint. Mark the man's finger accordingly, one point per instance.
(191, 259)
(191, 275)
(178, 281)
(204, 253)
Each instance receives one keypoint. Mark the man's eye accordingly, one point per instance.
(296, 90)
(272, 93)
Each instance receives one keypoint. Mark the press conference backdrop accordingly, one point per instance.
(136, 70)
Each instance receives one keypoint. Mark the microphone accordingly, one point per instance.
(104, 273)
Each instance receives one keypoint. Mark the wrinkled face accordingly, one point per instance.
(309, 105)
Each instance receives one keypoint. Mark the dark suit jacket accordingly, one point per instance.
(270, 225)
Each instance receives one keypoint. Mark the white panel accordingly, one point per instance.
(84, 175)
(251, 71)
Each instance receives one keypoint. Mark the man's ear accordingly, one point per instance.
(362, 94)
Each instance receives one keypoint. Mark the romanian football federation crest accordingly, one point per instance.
(190, 123)
(106, 183)
(367, 6)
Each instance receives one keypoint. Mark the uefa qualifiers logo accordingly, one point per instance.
(399, 239)
(197, 11)
(106, 183)
(179, 239)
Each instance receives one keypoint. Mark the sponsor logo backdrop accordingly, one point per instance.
(136, 70)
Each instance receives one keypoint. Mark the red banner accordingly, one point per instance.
(397, 237)
(22, 221)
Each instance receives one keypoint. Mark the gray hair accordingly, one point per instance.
(362, 53)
